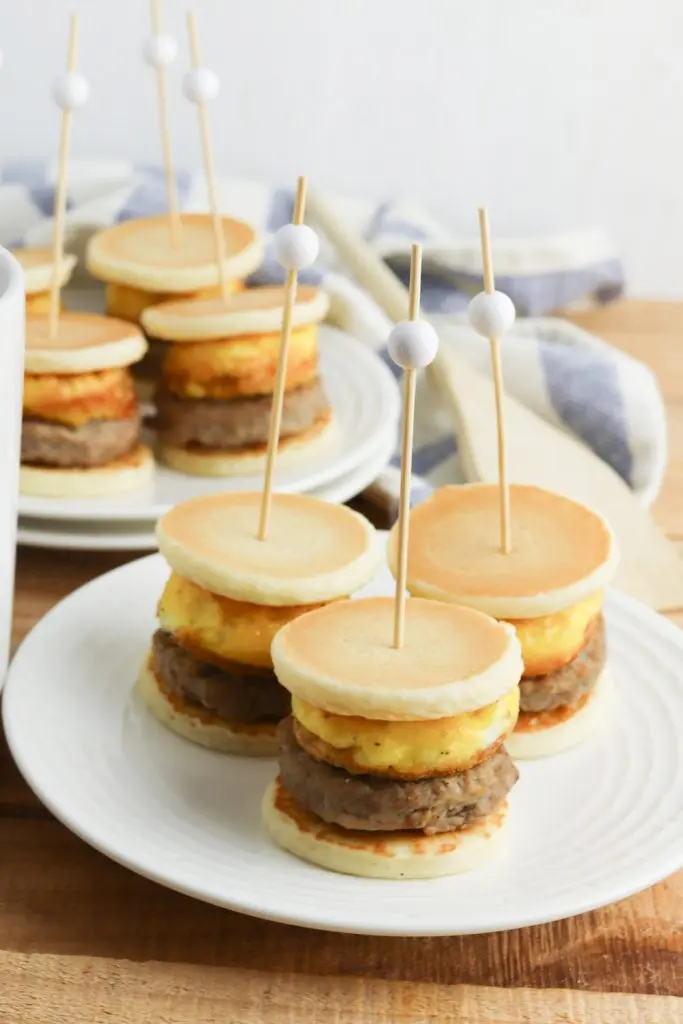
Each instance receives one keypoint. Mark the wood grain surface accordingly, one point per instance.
(84, 940)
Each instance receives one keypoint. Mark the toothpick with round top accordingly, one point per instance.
(69, 91)
(159, 51)
(412, 345)
(296, 246)
(201, 85)
(491, 314)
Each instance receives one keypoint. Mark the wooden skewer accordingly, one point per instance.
(489, 288)
(409, 386)
(175, 222)
(218, 236)
(280, 379)
(59, 212)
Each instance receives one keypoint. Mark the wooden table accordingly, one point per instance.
(83, 940)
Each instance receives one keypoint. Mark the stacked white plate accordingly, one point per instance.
(366, 403)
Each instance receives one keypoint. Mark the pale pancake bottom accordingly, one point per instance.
(201, 727)
(129, 473)
(567, 733)
(250, 461)
(392, 855)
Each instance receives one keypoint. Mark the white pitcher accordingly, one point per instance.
(12, 329)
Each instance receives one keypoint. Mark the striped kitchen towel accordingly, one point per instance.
(605, 398)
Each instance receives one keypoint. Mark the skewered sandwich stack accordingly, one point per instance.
(141, 266)
(81, 419)
(209, 675)
(550, 587)
(217, 378)
(393, 762)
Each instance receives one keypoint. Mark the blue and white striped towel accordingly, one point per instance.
(605, 398)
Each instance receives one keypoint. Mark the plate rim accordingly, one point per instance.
(648, 616)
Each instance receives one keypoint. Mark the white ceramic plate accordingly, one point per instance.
(366, 403)
(586, 828)
(134, 535)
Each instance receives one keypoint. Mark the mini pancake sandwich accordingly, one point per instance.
(209, 674)
(215, 395)
(393, 762)
(141, 267)
(550, 587)
(81, 421)
(37, 265)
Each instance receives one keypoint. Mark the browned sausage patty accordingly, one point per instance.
(243, 694)
(95, 443)
(570, 683)
(371, 803)
(236, 422)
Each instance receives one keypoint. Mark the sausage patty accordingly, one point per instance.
(238, 422)
(97, 442)
(242, 694)
(569, 684)
(371, 803)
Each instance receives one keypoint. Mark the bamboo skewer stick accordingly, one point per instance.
(175, 222)
(409, 388)
(412, 344)
(209, 169)
(60, 191)
(497, 371)
(281, 377)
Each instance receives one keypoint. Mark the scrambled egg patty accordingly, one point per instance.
(129, 303)
(404, 749)
(76, 398)
(233, 631)
(38, 304)
(551, 641)
(244, 365)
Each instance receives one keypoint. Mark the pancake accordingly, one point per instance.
(139, 253)
(248, 461)
(195, 725)
(562, 552)
(85, 342)
(128, 473)
(37, 265)
(397, 855)
(547, 733)
(253, 311)
(314, 551)
(340, 658)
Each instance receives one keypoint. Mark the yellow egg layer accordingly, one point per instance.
(404, 749)
(551, 641)
(75, 398)
(244, 365)
(39, 303)
(220, 628)
(129, 303)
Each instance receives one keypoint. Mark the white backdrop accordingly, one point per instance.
(557, 113)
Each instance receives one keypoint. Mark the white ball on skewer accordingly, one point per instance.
(491, 314)
(296, 246)
(159, 51)
(413, 344)
(201, 85)
(71, 90)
